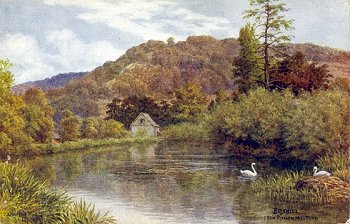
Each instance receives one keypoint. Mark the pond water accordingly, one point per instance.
(172, 183)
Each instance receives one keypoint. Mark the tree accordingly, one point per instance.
(190, 102)
(6, 78)
(296, 73)
(37, 97)
(38, 115)
(248, 64)
(170, 41)
(89, 128)
(12, 124)
(111, 129)
(69, 126)
(269, 23)
(97, 128)
(37, 125)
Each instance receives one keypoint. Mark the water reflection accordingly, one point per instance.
(176, 183)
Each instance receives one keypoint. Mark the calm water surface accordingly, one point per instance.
(174, 183)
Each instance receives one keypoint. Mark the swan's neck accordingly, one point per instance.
(315, 170)
(253, 169)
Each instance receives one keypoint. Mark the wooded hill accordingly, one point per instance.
(48, 83)
(156, 69)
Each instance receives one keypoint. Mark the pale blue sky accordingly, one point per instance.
(46, 37)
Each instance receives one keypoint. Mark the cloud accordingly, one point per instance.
(146, 19)
(63, 52)
(23, 51)
(73, 54)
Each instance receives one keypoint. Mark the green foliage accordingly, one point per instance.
(12, 124)
(334, 162)
(89, 128)
(69, 127)
(187, 131)
(221, 97)
(282, 187)
(37, 97)
(25, 198)
(318, 124)
(302, 127)
(190, 102)
(218, 121)
(96, 128)
(269, 23)
(6, 78)
(141, 133)
(258, 117)
(83, 213)
(111, 129)
(38, 125)
(248, 65)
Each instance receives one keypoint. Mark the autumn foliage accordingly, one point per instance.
(296, 73)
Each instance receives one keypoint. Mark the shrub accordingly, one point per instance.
(24, 198)
(258, 117)
(318, 124)
(302, 127)
(187, 131)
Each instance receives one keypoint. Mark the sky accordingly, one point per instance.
(43, 38)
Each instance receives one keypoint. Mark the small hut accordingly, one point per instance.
(56, 138)
(144, 122)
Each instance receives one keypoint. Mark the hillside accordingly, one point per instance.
(156, 69)
(48, 83)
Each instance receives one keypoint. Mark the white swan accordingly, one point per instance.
(248, 173)
(320, 173)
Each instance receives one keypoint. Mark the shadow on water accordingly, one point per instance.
(171, 183)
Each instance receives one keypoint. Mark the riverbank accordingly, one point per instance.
(300, 186)
(82, 144)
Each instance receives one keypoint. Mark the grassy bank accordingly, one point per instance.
(300, 186)
(282, 187)
(46, 149)
(24, 198)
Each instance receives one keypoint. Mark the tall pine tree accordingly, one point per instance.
(270, 25)
(248, 65)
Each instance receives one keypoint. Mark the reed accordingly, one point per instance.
(282, 187)
(25, 198)
(337, 164)
(334, 162)
(82, 212)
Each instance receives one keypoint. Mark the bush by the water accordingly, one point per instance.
(187, 131)
(302, 127)
(24, 198)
